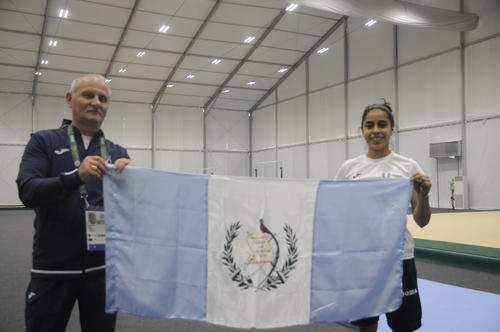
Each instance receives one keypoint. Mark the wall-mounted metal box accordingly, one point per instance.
(445, 149)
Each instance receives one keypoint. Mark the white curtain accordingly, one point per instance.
(398, 12)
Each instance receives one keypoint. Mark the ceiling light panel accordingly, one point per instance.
(63, 13)
(201, 77)
(159, 41)
(289, 40)
(276, 56)
(95, 13)
(62, 62)
(230, 33)
(91, 32)
(220, 49)
(190, 8)
(291, 7)
(140, 70)
(146, 21)
(370, 23)
(261, 83)
(244, 14)
(126, 54)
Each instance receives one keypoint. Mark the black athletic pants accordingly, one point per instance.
(49, 303)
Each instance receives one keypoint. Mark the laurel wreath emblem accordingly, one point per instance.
(277, 278)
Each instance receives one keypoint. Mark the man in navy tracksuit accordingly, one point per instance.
(60, 174)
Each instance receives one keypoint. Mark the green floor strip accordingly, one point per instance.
(461, 255)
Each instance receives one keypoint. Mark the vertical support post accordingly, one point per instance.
(463, 116)
(396, 85)
(308, 155)
(276, 130)
(346, 87)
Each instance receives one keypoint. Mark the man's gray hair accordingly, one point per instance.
(97, 77)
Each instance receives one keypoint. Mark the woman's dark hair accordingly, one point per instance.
(385, 106)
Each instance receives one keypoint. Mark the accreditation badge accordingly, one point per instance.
(96, 228)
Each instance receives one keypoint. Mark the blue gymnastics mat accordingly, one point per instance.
(449, 308)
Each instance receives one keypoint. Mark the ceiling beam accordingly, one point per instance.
(156, 101)
(39, 57)
(299, 62)
(122, 37)
(244, 60)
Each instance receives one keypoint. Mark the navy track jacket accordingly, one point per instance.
(49, 183)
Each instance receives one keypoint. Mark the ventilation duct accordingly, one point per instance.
(399, 13)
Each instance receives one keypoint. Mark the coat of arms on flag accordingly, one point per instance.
(260, 270)
(245, 252)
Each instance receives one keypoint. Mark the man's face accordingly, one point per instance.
(89, 102)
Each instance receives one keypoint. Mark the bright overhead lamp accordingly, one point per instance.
(141, 53)
(249, 114)
(44, 62)
(122, 70)
(107, 80)
(225, 91)
(190, 76)
(249, 39)
(251, 83)
(53, 43)
(170, 85)
(370, 23)
(164, 28)
(38, 73)
(216, 61)
(323, 50)
(291, 7)
(63, 13)
(282, 70)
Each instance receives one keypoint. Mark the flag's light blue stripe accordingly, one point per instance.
(152, 247)
(352, 254)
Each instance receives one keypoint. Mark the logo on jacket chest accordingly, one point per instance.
(61, 151)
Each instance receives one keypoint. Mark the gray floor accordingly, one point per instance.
(16, 232)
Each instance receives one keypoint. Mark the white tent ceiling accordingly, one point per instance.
(104, 36)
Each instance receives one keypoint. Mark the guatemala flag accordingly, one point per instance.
(253, 253)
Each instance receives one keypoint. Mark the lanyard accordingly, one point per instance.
(76, 157)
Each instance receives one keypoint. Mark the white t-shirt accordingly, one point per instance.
(390, 166)
(86, 141)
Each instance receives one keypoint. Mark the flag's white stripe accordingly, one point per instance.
(278, 203)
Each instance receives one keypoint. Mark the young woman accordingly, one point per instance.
(377, 125)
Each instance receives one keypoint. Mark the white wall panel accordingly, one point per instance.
(370, 48)
(179, 161)
(264, 162)
(327, 114)
(178, 128)
(430, 91)
(50, 111)
(483, 160)
(489, 12)
(367, 91)
(9, 167)
(294, 162)
(294, 85)
(264, 128)
(326, 159)
(357, 146)
(415, 145)
(415, 43)
(328, 68)
(235, 164)
(292, 121)
(15, 118)
(227, 130)
(128, 124)
(141, 158)
(482, 77)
